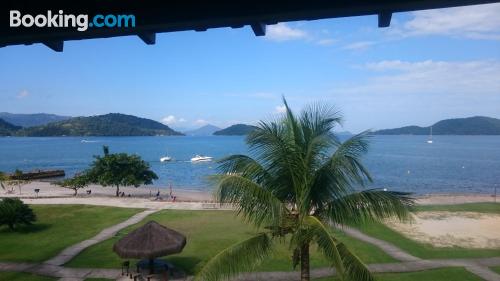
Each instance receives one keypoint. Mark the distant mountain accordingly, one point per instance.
(7, 129)
(31, 120)
(206, 130)
(113, 124)
(235, 130)
(344, 133)
(477, 125)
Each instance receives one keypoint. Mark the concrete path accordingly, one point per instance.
(478, 267)
(385, 246)
(70, 252)
(54, 266)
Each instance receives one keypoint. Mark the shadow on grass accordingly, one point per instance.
(188, 264)
(33, 228)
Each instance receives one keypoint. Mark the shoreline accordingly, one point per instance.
(145, 197)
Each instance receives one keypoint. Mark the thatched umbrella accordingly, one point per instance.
(150, 241)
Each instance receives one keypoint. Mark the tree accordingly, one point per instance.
(16, 180)
(120, 169)
(298, 181)
(14, 212)
(3, 179)
(77, 182)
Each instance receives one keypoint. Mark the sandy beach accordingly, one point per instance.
(145, 196)
(453, 229)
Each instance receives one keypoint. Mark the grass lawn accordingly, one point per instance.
(57, 227)
(442, 274)
(428, 251)
(209, 232)
(21, 276)
(493, 208)
(496, 269)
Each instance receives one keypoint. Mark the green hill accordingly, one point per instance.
(31, 120)
(7, 129)
(113, 124)
(235, 130)
(477, 125)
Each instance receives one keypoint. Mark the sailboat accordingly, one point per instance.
(430, 137)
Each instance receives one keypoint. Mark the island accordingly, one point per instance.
(477, 125)
(112, 124)
(235, 130)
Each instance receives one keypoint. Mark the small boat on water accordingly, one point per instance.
(430, 137)
(165, 159)
(201, 158)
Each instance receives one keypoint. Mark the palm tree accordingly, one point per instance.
(3, 178)
(300, 181)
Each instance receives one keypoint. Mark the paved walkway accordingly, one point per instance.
(54, 266)
(70, 252)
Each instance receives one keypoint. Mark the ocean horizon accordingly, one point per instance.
(452, 164)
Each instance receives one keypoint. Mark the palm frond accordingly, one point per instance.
(245, 166)
(326, 243)
(341, 171)
(254, 203)
(241, 257)
(272, 147)
(355, 269)
(369, 205)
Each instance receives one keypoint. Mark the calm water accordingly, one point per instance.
(451, 164)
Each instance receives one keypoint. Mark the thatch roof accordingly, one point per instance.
(150, 241)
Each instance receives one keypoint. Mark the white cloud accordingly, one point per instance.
(282, 32)
(326, 42)
(359, 46)
(201, 122)
(477, 77)
(280, 109)
(171, 120)
(478, 22)
(23, 94)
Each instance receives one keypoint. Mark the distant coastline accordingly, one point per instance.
(478, 125)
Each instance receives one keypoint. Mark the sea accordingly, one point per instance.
(451, 164)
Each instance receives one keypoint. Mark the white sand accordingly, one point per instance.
(451, 199)
(448, 229)
(48, 190)
(144, 197)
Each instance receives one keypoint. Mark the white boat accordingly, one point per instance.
(165, 159)
(201, 158)
(430, 137)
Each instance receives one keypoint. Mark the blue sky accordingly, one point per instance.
(427, 66)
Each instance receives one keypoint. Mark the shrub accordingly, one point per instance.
(14, 212)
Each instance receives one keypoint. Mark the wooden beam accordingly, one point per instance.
(148, 38)
(55, 45)
(259, 29)
(384, 19)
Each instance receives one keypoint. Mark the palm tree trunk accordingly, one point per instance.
(117, 190)
(304, 262)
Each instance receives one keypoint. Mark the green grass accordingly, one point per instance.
(20, 276)
(427, 251)
(442, 274)
(209, 232)
(57, 227)
(496, 269)
(470, 207)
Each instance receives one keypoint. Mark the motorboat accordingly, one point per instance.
(430, 137)
(165, 159)
(201, 158)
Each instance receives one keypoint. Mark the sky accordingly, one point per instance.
(427, 66)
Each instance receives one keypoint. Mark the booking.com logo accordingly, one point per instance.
(80, 22)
